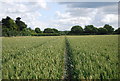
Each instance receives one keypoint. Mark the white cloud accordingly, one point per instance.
(110, 18)
(26, 10)
(61, 15)
(42, 3)
(76, 20)
(16, 8)
(98, 16)
(64, 19)
(69, 20)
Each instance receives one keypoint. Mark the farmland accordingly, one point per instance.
(55, 57)
(25, 58)
(95, 57)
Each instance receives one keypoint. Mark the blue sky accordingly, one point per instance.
(61, 15)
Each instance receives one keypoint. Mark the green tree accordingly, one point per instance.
(55, 30)
(102, 31)
(9, 27)
(37, 30)
(9, 23)
(21, 25)
(90, 29)
(109, 28)
(77, 30)
(117, 31)
(48, 30)
(14, 28)
(64, 32)
(5, 31)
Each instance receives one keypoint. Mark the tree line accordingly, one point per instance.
(91, 30)
(17, 27)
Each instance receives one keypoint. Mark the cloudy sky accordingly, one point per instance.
(61, 15)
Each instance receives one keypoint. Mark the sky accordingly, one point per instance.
(61, 14)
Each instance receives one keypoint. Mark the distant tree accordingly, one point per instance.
(0, 28)
(9, 23)
(37, 30)
(9, 27)
(55, 30)
(48, 30)
(14, 28)
(109, 28)
(90, 29)
(95, 30)
(21, 25)
(117, 31)
(5, 31)
(77, 29)
(64, 32)
(18, 18)
(102, 31)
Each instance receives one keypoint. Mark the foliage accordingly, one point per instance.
(9, 23)
(102, 31)
(17, 27)
(90, 29)
(21, 25)
(50, 30)
(37, 30)
(14, 28)
(64, 32)
(45, 34)
(55, 30)
(109, 28)
(76, 30)
(117, 31)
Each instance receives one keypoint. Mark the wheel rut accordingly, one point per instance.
(69, 72)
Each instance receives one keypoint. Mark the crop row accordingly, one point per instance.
(14, 47)
(81, 57)
(43, 62)
(95, 57)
